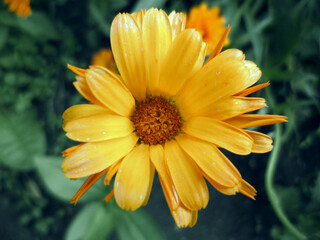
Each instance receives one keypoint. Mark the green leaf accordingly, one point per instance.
(98, 17)
(39, 26)
(63, 188)
(95, 221)
(138, 225)
(22, 138)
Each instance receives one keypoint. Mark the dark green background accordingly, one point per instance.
(282, 37)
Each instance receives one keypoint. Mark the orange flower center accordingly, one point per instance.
(156, 121)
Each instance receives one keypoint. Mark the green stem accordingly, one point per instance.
(272, 195)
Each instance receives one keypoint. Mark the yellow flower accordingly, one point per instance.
(166, 111)
(105, 59)
(209, 23)
(20, 7)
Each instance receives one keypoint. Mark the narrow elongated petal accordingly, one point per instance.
(253, 89)
(261, 143)
(158, 159)
(91, 180)
(254, 120)
(210, 160)
(180, 62)
(231, 107)
(156, 29)
(220, 45)
(187, 179)
(178, 23)
(223, 135)
(84, 110)
(127, 48)
(91, 158)
(133, 179)
(98, 128)
(110, 91)
(223, 76)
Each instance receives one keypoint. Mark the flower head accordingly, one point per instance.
(105, 59)
(168, 112)
(209, 23)
(20, 7)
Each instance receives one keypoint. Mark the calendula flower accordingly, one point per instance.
(105, 59)
(166, 111)
(209, 23)
(20, 7)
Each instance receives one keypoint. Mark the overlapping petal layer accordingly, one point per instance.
(216, 81)
(133, 178)
(158, 58)
(110, 91)
(219, 133)
(127, 48)
(187, 179)
(255, 120)
(156, 28)
(91, 158)
(181, 62)
(98, 127)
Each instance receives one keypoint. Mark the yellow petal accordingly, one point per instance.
(219, 133)
(261, 142)
(231, 107)
(98, 128)
(243, 187)
(113, 169)
(91, 180)
(178, 23)
(138, 17)
(152, 170)
(82, 87)
(223, 76)
(158, 160)
(91, 158)
(127, 48)
(210, 160)
(109, 90)
(254, 72)
(247, 189)
(187, 179)
(254, 120)
(232, 54)
(70, 150)
(156, 37)
(180, 62)
(183, 216)
(220, 45)
(84, 110)
(79, 71)
(133, 179)
(253, 89)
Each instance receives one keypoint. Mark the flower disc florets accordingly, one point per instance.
(156, 121)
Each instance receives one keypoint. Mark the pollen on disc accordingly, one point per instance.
(156, 121)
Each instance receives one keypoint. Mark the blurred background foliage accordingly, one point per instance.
(282, 37)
